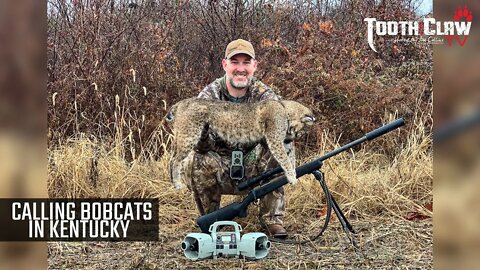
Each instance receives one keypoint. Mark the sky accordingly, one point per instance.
(425, 7)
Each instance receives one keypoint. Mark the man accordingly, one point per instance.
(210, 174)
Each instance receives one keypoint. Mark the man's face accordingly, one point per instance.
(239, 70)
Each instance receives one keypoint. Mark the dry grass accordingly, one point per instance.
(112, 76)
(375, 190)
(385, 244)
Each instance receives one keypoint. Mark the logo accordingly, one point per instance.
(450, 30)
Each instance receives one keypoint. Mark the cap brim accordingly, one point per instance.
(239, 52)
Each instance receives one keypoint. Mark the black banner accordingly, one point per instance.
(79, 219)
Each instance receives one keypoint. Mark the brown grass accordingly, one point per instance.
(375, 190)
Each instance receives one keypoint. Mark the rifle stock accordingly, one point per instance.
(229, 212)
(239, 209)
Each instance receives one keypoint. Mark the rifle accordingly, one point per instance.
(456, 127)
(239, 209)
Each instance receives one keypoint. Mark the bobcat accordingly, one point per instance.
(276, 122)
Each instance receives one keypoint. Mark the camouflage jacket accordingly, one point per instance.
(256, 92)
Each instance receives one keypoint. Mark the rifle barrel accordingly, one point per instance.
(316, 164)
(457, 126)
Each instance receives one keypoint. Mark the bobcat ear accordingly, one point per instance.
(308, 119)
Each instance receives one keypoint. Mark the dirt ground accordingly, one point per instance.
(384, 243)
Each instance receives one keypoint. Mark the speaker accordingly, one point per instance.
(225, 243)
(254, 246)
(198, 246)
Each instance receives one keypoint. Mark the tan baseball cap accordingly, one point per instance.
(239, 46)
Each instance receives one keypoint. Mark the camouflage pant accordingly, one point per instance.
(208, 177)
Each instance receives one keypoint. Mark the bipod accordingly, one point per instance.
(347, 227)
(331, 205)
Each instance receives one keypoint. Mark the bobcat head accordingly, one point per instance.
(299, 117)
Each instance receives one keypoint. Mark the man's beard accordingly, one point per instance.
(240, 85)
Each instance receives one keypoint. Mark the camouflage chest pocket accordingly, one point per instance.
(250, 158)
